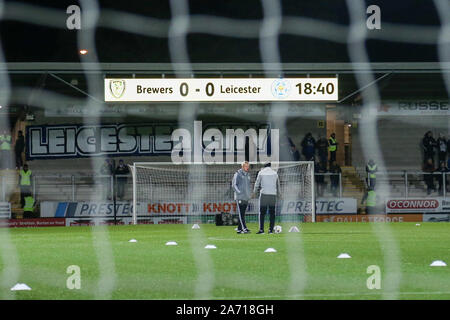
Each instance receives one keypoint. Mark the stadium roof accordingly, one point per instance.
(225, 68)
(222, 38)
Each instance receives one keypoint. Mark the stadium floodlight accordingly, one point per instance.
(164, 192)
(83, 51)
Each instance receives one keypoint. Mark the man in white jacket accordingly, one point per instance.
(268, 184)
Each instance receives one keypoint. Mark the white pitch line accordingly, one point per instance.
(220, 239)
(330, 295)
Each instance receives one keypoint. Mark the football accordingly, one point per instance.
(277, 229)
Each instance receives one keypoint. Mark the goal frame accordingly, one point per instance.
(156, 163)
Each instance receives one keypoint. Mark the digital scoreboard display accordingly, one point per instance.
(221, 89)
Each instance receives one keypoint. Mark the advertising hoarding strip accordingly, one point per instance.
(124, 208)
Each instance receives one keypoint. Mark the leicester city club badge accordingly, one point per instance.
(281, 88)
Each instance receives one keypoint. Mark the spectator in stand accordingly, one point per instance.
(107, 169)
(428, 169)
(19, 147)
(319, 169)
(121, 172)
(334, 179)
(309, 147)
(332, 147)
(295, 155)
(448, 151)
(285, 148)
(428, 145)
(289, 140)
(442, 169)
(441, 144)
(322, 149)
(25, 183)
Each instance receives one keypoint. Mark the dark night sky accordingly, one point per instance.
(29, 42)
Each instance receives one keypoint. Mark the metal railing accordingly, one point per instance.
(409, 179)
(72, 187)
(69, 186)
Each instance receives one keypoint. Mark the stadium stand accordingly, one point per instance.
(400, 139)
(399, 135)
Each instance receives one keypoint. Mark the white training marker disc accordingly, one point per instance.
(133, 240)
(20, 287)
(196, 226)
(270, 250)
(171, 243)
(438, 263)
(210, 246)
(294, 229)
(344, 256)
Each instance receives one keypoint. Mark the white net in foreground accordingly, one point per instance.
(196, 192)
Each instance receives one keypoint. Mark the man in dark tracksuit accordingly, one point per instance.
(242, 193)
(269, 185)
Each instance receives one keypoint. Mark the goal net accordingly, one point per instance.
(196, 193)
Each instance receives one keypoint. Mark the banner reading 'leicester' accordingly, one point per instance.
(75, 141)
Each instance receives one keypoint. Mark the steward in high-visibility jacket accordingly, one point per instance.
(24, 182)
(5, 142)
(371, 170)
(371, 201)
(5, 150)
(25, 177)
(332, 147)
(28, 208)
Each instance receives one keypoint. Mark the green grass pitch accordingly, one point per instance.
(305, 265)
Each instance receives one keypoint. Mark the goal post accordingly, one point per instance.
(133, 174)
(164, 192)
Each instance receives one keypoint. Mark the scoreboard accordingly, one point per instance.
(220, 89)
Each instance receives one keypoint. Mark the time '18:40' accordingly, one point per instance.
(309, 88)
